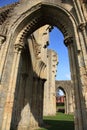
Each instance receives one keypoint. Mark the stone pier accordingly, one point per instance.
(24, 61)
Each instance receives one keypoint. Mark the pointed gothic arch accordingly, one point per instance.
(43, 13)
(67, 87)
(37, 14)
(64, 91)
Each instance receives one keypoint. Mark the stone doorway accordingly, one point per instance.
(67, 88)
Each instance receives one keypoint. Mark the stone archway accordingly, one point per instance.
(67, 88)
(61, 14)
(64, 100)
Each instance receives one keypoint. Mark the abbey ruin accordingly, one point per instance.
(28, 68)
(67, 87)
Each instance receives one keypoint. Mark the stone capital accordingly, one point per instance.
(19, 47)
(81, 26)
(68, 41)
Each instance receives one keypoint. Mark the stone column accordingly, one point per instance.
(70, 103)
(46, 98)
(18, 102)
(2, 40)
(65, 102)
(78, 8)
(46, 105)
(40, 101)
(49, 93)
(82, 30)
(83, 42)
(36, 115)
(34, 108)
(12, 85)
(23, 103)
(82, 59)
(76, 83)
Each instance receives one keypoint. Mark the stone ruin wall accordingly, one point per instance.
(49, 87)
(78, 9)
(67, 87)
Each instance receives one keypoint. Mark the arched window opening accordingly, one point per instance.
(60, 100)
(56, 42)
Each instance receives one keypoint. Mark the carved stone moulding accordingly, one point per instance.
(19, 47)
(81, 26)
(37, 47)
(2, 39)
(41, 70)
(68, 40)
(26, 30)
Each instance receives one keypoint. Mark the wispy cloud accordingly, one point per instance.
(68, 76)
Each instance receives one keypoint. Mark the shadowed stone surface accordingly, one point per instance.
(23, 60)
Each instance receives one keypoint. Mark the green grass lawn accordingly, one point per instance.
(61, 107)
(59, 122)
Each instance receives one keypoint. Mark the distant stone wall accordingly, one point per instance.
(49, 86)
(67, 87)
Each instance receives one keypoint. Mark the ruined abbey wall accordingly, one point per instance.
(49, 86)
(67, 87)
(17, 23)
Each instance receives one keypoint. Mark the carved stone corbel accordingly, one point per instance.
(68, 40)
(19, 47)
(37, 48)
(81, 26)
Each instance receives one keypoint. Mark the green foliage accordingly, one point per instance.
(59, 122)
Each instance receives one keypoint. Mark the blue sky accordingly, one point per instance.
(5, 2)
(56, 43)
